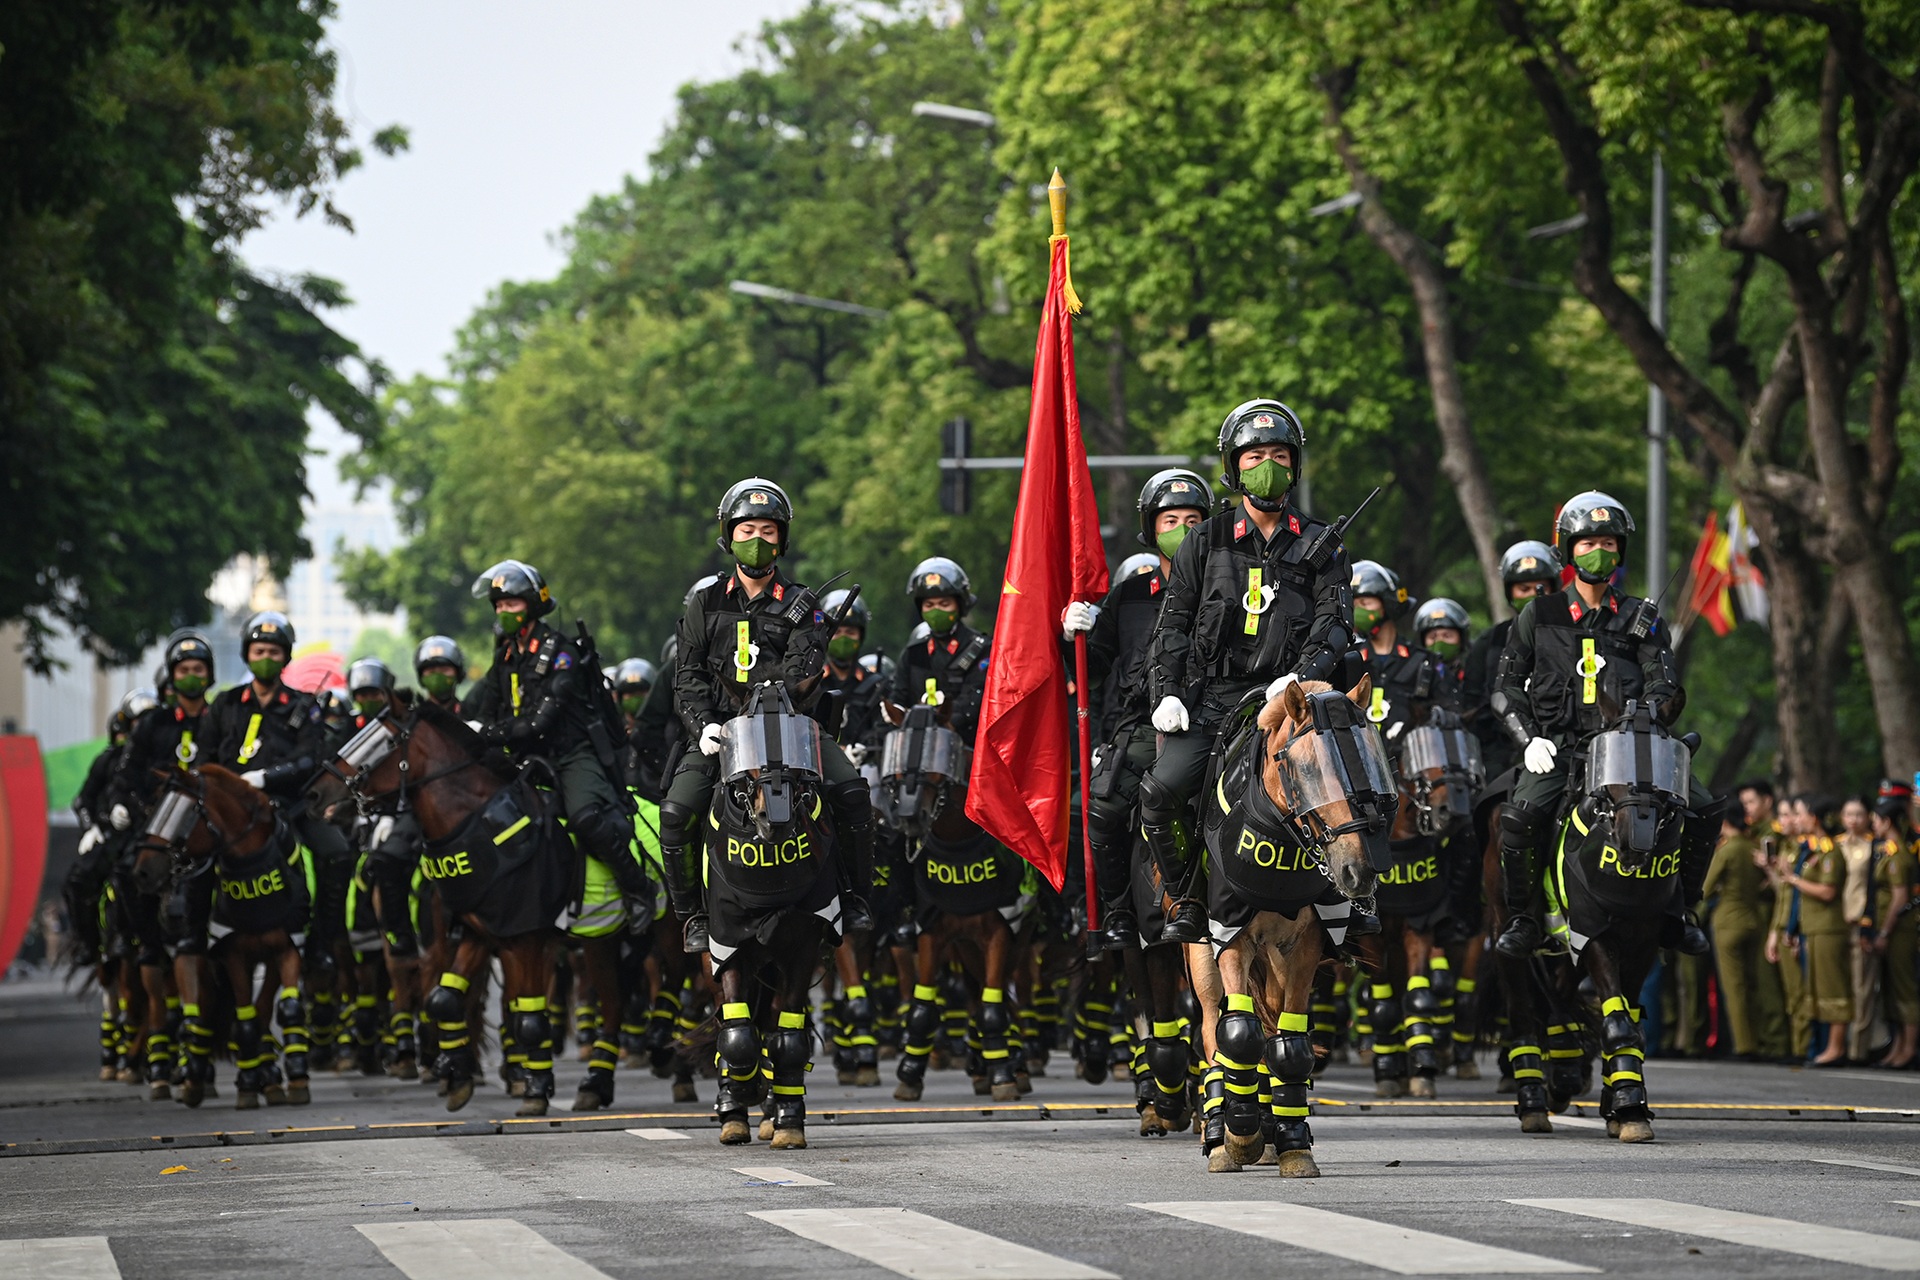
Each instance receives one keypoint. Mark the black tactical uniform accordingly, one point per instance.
(1528, 561)
(643, 762)
(1240, 611)
(858, 690)
(729, 642)
(100, 845)
(1562, 661)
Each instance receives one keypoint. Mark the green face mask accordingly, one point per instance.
(633, 703)
(1446, 650)
(509, 624)
(1267, 480)
(939, 621)
(1598, 564)
(190, 686)
(755, 553)
(1169, 542)
(1366, 621)
(370, 707)
(267, 670)
(843, 648)
(439, 684)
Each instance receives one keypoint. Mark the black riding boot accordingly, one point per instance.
(687, 896)
(1522, 936)
(1118, 931)
(1681, 929)
(853, 859)
(1186, 918)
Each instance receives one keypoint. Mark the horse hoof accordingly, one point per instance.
(1466, 1071)
(683, 1091)
(1008, 1092)
(1298, 1164)
(766, 1128)
(585, 1053)
(867, 1078)
(1507, 1085)
(982, 1086)
(1635, 1131)
(1219, 1161)
(888, 1052)
(1268, 1157)
(440, 1088)
(299, 1093)
(1536, 1122)
(275, 1095)
(1389, 1088)
(516, 1088)
(458, 1095)
(127, 1075)
(789, 1139)
(1121, 1071)
(244, 1101)
(158, 1091)
(1244, 1151)
(904, 1092)
(108, 1074)
(192, 1093)
(846, 1077)
(404, 1069)
(588, 1100)
(1422, 1087)
(1152, 1123)
(532, 1106)
(1024, 1081)
(735, 1132)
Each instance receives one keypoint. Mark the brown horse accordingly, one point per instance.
(1296, 827)
(503, 869)
(208, 818)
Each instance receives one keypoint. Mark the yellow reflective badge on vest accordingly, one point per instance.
(185, 752)
(744, 650)
(513, 683)
(1589, 669)
(251, 746)
(933, 696)
(1259, 600)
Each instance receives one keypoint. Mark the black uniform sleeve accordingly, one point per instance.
(1167, 675)
(1661, 682)
(91, 805)
(1103, 641)
(290, 776)
(902, 692)
(482, 702)
(130, 784)
(804, 664)
(561, 689)
(1328, 633)
(223, 735)
(693, 693)
(1510, 700)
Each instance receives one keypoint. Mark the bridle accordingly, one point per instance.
(364, 750)
(182, 809)
(1334, 715)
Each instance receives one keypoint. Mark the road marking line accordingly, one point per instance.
(59, 1258)
(1578, 1122)
(1401, 1250)
(775, 1174)
(660, 1135)
(1340, 1086)
(1912, 1203)
(1907, 1169)
(474, 1249)
(926, 1248)
(1783, 1235)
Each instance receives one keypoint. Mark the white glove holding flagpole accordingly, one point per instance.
(1078, 616)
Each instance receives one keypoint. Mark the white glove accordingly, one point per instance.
(1540, 754)
(710, 739)
(120, 818)
(1279, 686)
(255, 778)
(474, 725)
(1078, 616)
(1171, 715)
(857, 753)
(1394, 732)
(89, 838)
(382, 831)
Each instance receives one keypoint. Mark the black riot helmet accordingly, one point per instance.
(1530, 561)
(755, 498)
(1592, 515)
(136, 704)
(517, 579)
(939, 576)
(1175, 489)
(269, 626)
(858, 616)
(635, 675)
(1260, 422)
(1437, 613)
(1371, 578)
(1134, 565)
(435, 650)
(699, 584)
(878, 664)
(184, 644)
(369, 673)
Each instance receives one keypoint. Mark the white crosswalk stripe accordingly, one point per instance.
(926, 1248)
(1401, 1250)
(1782, 1235)
(474, 1249)
(1876, 1165)
(59, 1258)
(660, 1135)
(774, 1175)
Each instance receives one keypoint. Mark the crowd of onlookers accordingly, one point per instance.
(1816, 936)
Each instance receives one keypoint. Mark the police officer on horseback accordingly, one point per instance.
(1119, 642)
(1528, 568)
(643, 764)
(858, 689)
(1244, 607)
(1407, 679)
(945, 662)
(440, 666)
(753, 625)
(1566, 649)
(542, 697)
(98, 844)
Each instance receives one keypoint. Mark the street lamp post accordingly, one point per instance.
(1656, 401)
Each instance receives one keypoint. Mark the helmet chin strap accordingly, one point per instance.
(1266, 504)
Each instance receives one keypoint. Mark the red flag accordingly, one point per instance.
(1710, 599)
(1022, 771)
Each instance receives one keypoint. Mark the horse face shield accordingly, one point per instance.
(771, 749)
(1341, 766)
(1442, 757)
(368, 747)
(1640, 775)
(172, 819)
(916, 759)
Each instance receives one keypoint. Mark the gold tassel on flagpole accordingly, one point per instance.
(1057, 201)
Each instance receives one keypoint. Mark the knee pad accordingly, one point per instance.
(787, 1049)
(1159, 806)
(1289, 1055)
(994, 1019)
(1239, 1040)
(676, 824)
(739, 1044)
(1521, 825)
(923, 1018)
(601, 831)
(445, 1004)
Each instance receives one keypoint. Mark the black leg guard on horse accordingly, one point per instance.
(738, 1051)
(596, 1091)
(1159, 810)
(1566, 1061)
(1624, 1091)
(1239, 1049)
(1423, 1007)
(1466, 1020)
(251, 1057)
(533, 1033)
(995, 1023)
(1389, 1050)
(1289, 1057)
(1529, 1080)
(1166, 1059)
(860, 1017)
(1522, 828)
(787, 1052)
(291, 1012)
(853, 852)
(923, 1021)
(446, 1005)
(686, 889)
(1213, 1108)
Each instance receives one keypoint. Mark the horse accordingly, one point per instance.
(969, 891)
(773, 900)
(1296, 815)
(1437, 767)
(1614, 874)
(496, 856)
(208, 817)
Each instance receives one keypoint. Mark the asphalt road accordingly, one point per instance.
(1763, 1171)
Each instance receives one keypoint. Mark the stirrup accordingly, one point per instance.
(694, 938)
(1185, 923)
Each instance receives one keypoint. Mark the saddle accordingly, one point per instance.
(507, 865)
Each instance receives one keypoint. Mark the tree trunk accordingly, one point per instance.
(1803, 687)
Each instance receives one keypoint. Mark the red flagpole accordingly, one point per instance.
(1084, 715)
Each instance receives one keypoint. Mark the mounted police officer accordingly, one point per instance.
(1119, 641)
(945, 665)
(98, 842)
(1406, 678)
(440, 666)
(643, 764)
(1527, 569)
(1243, 608)
(754, 625)
(1566, 649)
(371, 684)
(543, 698)
(859, 690)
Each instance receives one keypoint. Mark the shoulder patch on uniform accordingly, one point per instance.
(819, 618)
(562, 660)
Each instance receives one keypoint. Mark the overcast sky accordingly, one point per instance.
(519, 112)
